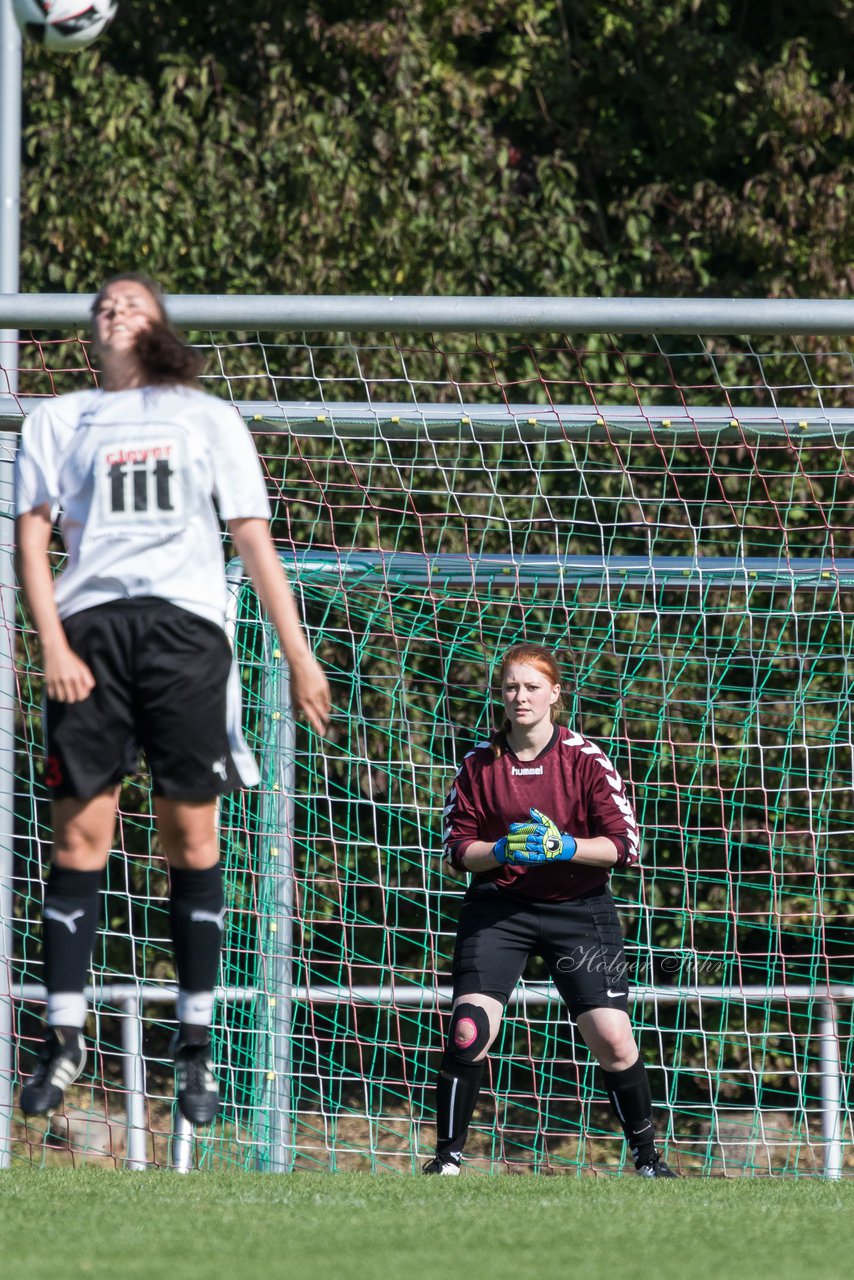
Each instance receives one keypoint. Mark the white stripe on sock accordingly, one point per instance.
(66, 1009)
(195, 1008)
(451, 1118)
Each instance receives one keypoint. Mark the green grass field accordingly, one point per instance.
(58, 1224)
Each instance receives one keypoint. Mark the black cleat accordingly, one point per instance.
(656, 1168)
(195, 1086)
(447, 1168)
(61, 1059)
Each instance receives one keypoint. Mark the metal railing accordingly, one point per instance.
(130, 999)
(368, 313)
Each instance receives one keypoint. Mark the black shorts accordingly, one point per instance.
(161, 676)
(580, 941)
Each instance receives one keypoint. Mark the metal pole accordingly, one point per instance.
(450, 568)
(275, 999)
(831, 1091)
(347, 313)
(182, 1144)
(10, 184)
(7, 783)
(133, 1069)
(281, 868)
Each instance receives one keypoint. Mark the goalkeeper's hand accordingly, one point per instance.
(533, 842)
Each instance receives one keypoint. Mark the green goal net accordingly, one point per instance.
(672, 516)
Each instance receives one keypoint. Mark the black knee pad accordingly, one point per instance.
(468, 1034)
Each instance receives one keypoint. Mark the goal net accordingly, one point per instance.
(671, 514)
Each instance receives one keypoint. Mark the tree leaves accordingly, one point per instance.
(493, 148)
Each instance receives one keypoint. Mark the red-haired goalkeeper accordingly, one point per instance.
(539, 816)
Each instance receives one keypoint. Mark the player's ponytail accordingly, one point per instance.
(165, 359)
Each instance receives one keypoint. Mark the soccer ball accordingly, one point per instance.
(62, 25)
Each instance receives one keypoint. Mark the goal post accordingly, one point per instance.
(372, 587)
(663, 503)
(8, 718)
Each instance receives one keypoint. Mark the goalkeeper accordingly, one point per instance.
(539, 816)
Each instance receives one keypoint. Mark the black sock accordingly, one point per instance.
(69, 923)
(457, 1090)
(196, 914)
(629, 1095)
(191, 1034)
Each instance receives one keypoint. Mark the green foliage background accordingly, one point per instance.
(476, 146)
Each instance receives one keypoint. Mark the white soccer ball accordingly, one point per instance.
(63, 25)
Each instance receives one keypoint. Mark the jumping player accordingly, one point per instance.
(135, 656)
(539, 816)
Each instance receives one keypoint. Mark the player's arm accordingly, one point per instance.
(479, 856)
(527, 843)
(610, 809)
(482, 856)
(595, 851)
(67, 677)
(598, 851)
(540, 841)
(461, 824)
(309, 686)
(615, 844)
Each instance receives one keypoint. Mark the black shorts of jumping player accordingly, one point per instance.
(161, 687)
(580, 941)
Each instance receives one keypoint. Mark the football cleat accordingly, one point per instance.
(195, 1086)
(446, 1168)
(61, 1059)
(656, 1168)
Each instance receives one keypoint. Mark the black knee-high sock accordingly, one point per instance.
(196, 910)
(457, 1090)
(628, 1092)
(69, 923)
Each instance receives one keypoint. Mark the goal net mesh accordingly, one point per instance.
(672, 516)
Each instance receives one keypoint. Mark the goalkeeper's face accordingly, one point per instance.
(528, 696)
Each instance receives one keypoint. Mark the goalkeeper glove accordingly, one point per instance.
(533, 842)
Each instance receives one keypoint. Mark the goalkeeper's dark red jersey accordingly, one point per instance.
(572, 781)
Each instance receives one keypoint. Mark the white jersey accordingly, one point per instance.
(137, 478)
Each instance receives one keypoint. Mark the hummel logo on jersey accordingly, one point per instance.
(219, 768)
(209, 917)
(517, 772)
(69, 920)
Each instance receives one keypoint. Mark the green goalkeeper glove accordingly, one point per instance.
(533, 842)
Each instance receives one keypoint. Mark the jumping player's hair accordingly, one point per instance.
(165, 358)
(532, 655)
